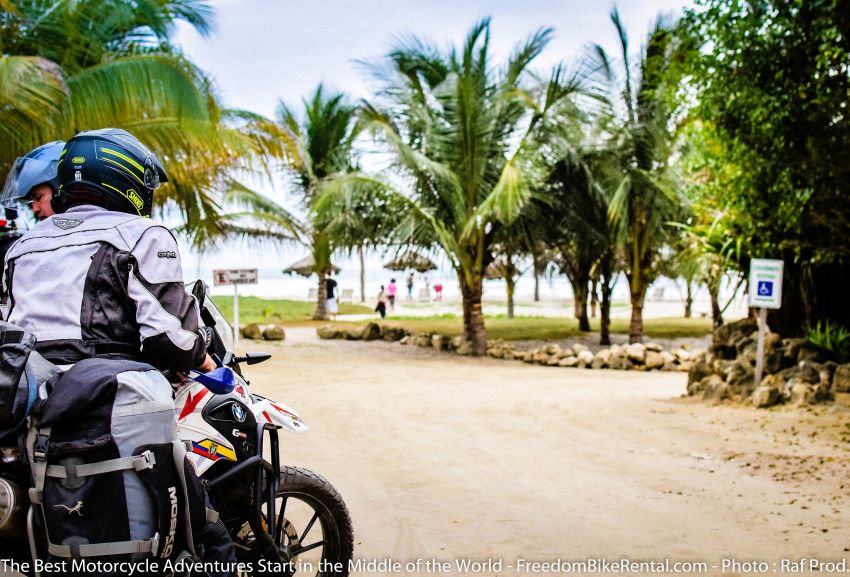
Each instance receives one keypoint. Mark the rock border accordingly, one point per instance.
(641, 357)
(795, 372)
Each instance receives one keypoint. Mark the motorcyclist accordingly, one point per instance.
(32, 180)
(30, 184)
(100, 278)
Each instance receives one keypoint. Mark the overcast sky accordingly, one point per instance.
(265, 50)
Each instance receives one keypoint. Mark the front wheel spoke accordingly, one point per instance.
(300, 550)
(309, 526)
(279, 525)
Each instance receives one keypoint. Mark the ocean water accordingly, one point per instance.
(273, 283)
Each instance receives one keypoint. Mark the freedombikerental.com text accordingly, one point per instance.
(420, 566)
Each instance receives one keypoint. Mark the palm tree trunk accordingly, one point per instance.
(637, 295)
(689, 298)
(594, 299)
(321, 313)
(509, 280)
(716, 312)
(605, 310)
(473, 317)
(510, 283)
(579, 284)
(362, 274)
(536, 287)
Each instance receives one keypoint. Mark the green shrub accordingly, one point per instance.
(832, 339)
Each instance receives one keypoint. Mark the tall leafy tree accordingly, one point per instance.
(320, 152)
(70, 66)
(458, 127)
(778, 101)
(646, 197)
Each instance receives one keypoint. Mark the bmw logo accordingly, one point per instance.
(238, 412)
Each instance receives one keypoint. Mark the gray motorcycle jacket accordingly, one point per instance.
(92, 282)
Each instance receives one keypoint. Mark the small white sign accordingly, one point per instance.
(766, 283)
(235, 276)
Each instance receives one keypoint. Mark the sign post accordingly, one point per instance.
(235, 277)
(765, 293)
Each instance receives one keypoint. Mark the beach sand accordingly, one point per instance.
(451, 458)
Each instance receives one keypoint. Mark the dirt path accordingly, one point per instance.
(453, 458)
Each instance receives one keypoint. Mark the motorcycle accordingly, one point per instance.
(283, 520)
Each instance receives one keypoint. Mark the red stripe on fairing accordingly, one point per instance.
(192, 402)
(266, 415)
(280, 409)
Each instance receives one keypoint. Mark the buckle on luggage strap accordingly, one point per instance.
(35, 496)
(145, 460)
(40, 446)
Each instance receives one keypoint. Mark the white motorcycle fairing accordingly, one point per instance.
(208, 445)
(284, 416)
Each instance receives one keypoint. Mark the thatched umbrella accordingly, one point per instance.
(410, 260)
(306, 267)
(496, 269)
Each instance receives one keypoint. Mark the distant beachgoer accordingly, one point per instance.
(438, 288)
(410, 287)
(330, 288)
(381, 308)
(392, 289)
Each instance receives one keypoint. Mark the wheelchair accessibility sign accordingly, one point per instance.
(766, 283)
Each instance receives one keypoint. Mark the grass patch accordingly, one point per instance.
(551, 329)
(260, 310)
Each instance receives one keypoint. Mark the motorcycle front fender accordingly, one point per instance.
(283, 416)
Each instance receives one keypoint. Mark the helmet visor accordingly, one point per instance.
(26, 174)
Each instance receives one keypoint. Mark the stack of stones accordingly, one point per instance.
(258, 332)
(639, 357)
(371, 332)
(794, 371)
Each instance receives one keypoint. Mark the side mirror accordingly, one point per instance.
(252, 358)
(199, 291)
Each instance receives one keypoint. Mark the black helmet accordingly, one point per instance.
(109, 168)
(36, 167)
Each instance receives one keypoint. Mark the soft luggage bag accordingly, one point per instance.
(21, 371)
(108, 470)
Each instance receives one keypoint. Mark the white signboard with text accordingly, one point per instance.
(235, 276)
(766, 283)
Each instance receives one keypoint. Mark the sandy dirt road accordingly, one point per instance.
(454, 458)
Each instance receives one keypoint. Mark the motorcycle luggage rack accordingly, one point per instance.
(266, 484)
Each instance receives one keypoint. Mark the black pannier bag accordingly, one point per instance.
(21, 371)
(109, 474)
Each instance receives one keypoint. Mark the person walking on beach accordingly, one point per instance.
(438, 289)
(392, 289)
(332, 306)
(410, 287)
(381, 308)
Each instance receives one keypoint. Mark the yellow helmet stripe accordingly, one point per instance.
(130, 172)
(124, 157)
(139, 210)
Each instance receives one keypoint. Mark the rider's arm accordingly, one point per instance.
(167, 315)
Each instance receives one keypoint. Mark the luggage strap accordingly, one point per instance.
(102, 549)
(212, 516)
(38, 440)
(138, 463)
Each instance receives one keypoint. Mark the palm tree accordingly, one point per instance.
(71, 66)
(646, 199)
(358, 212)
(458, 128)
(320, 150)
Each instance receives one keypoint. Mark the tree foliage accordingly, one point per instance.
(772, 80)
